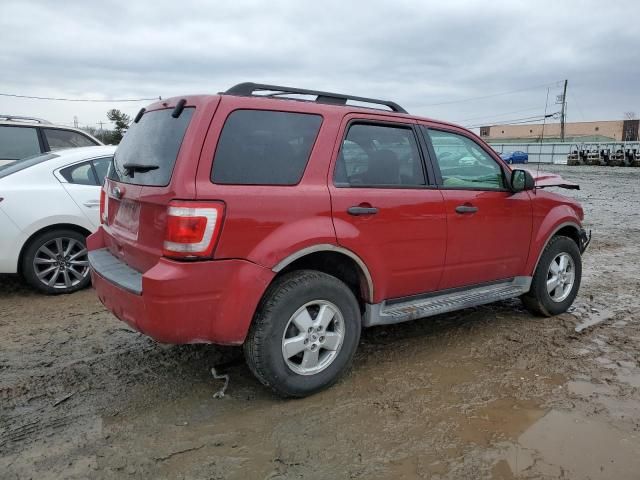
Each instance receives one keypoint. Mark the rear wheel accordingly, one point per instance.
(56, 262)
(304, 334)
(557, 278)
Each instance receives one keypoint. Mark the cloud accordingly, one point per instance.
(417, 53)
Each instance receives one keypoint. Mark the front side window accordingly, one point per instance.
(18, 142)
(259, 147)
(463, 163)
(59, 139)
(379, 156)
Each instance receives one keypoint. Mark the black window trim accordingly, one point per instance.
(436, 167)
(304, 171)
(424, 154)
(95, 171)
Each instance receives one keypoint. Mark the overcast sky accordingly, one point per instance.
(424, 55)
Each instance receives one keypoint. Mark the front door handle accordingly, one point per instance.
(362, 211)
(466, 209)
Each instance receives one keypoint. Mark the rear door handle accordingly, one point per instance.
(362, 211)
(466, 209)
(92, 203)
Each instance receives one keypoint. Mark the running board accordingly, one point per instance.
(386, 313)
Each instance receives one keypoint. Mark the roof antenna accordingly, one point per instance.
(544, 121)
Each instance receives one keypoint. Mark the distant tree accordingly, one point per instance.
(105, 136)
(121, 121)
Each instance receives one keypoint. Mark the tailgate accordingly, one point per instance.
(155, 163)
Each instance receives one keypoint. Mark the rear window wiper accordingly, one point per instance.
(130, 168)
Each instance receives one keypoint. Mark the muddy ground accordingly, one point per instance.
(490, 392)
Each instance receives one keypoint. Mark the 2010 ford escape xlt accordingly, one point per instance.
(286, 220)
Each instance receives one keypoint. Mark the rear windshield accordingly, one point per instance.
(152, 142)
(19, 165)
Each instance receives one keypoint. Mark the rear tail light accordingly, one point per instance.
(104, 206)
(192, 229)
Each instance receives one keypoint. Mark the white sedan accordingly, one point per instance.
(49, 204)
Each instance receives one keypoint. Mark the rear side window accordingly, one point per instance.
(18, 142)
(81, 174)
(148, 152)
(259, 147)
(59, 139)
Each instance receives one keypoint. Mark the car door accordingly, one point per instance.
(83, 181)
(488, 226)
(385, 209)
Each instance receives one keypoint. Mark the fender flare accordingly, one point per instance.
(553, 234)
(327, 247)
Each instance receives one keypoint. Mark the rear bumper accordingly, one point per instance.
(182, 302)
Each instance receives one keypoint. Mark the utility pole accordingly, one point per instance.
(563, 112)
(101, 134)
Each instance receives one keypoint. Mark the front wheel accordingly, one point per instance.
(557, 278)
(305, 333)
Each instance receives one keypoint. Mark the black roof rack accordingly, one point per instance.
(247, 89)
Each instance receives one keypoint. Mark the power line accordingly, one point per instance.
(516, 121)
(492, 95)
(80, 99)
(497, 115)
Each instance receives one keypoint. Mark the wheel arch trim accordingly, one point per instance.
(327, 247)
(550, 236)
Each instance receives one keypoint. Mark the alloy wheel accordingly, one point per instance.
(313, 337)
(561, 277)
(61, 263)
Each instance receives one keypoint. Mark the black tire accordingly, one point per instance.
(538, 300)
(287, 295)
(29, 269)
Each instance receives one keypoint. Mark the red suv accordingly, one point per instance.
(286, 220)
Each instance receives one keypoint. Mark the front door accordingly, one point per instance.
(489, 227)
(384, 208)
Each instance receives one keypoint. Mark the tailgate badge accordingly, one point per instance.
(116, 192)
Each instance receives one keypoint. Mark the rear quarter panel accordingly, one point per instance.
(265, 224)
(32, 202)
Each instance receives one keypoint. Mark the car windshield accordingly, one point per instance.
(19, 165)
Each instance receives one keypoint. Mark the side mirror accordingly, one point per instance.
(522, 180)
